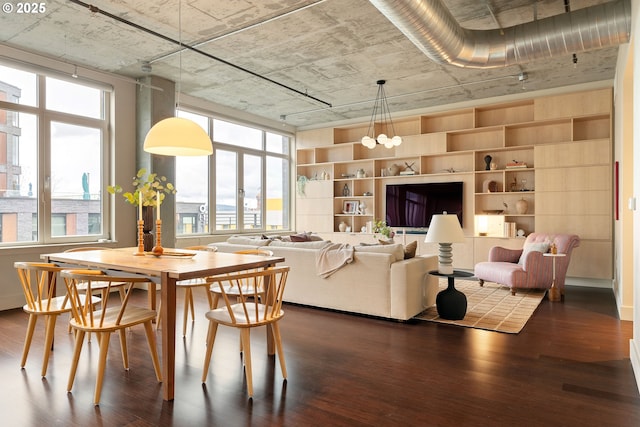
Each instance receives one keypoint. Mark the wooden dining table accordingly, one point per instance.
(165, 270)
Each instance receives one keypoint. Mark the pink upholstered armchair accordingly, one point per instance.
(527, 267)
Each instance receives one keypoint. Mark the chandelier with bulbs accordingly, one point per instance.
(382, 116)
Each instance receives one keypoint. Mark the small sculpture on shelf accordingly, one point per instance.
(345, 191)
(360, 209)
(408, 170)
(514, 184)
(487, 160)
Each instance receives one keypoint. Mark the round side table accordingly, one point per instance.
(554, 292)
(451, 303)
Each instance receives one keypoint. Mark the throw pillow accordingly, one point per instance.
(302, 237)
(531, 247)
(410, 250)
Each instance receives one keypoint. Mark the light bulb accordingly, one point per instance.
(382, 139)
(368, 142)
(388, 144)
(396, 140)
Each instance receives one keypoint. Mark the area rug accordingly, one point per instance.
(490, 307)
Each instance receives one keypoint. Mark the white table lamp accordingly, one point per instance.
(445, 230)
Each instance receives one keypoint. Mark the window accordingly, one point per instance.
(52, 145)
(243, 186)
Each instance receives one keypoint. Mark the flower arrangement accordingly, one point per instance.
(149, 185)
(381, 227)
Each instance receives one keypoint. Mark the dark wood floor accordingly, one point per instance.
(568, 367)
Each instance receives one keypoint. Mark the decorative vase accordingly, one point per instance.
(522, 206)
(342, 227)
(487, 160)
(147, 235)
(394, 170)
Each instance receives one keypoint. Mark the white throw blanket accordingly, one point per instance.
(332, 257)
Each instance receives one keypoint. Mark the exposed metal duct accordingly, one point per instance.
(434, 30)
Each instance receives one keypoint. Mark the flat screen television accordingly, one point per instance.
(412, 205)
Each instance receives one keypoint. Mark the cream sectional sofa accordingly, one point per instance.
(379, 282)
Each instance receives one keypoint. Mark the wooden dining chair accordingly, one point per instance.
(38, 282)
(248, 311)
(108, 318)
(189, 286)
(97, 287)
(232, 288)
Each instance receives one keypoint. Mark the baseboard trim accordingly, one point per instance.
(589, 283)
(634, 355)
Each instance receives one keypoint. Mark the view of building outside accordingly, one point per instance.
(74, 157)
(243, 186)
(250, 166)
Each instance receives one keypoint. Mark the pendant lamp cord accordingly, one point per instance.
(380, 107)
(179, 53)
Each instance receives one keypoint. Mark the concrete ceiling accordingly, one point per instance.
(280, 50)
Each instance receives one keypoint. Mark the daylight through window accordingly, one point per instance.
(51, 158)
(243, 187)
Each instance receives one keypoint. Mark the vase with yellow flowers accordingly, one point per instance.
(150, 190)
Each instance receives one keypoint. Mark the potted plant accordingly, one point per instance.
(381, 227)
(148, 187)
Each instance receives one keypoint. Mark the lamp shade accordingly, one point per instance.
(444, 228)
(177, 136)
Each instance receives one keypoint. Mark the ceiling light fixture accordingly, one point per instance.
(381, 110)
(177, 136)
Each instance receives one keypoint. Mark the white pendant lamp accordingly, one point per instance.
(177, 136)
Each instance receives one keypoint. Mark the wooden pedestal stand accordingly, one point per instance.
(554, 292)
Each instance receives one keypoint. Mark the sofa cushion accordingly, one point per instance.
(306, 245)
(244, 240)
(397, 250)
(530, 247)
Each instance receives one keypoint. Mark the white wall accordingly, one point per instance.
(635, 341)
(623, 155)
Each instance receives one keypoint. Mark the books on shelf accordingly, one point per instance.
(510, 229)
(516, 165)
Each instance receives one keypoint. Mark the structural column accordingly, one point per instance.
(155, 101)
